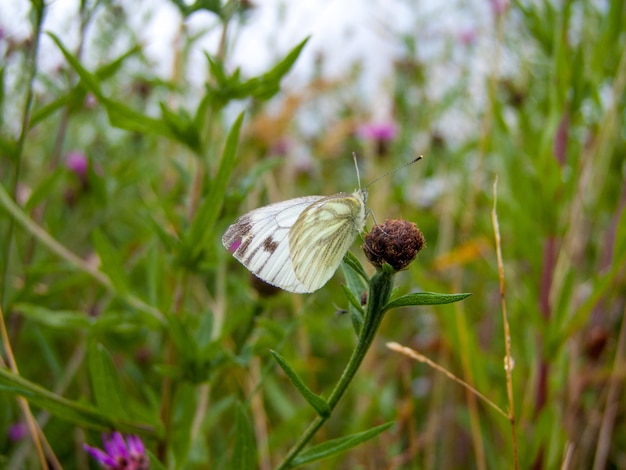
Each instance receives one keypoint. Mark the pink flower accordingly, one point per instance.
(77, 163)
(17, 431)
(467, 37)
(383, 131)
(119, 454)
(498, 7)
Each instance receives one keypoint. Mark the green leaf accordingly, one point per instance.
(356, 303)
(123, 322)
(105, 382)
(214, 6)
(43, 190)
(126, 118)
(357, 281)
(59, 319)
(335, 446)
(216, 67)
(155, 463)
(262, 87)
(108, 70)
(8, 147)
(68, 410)
(352, 262)
(203, 226)
(267, 85)
(318, 403)
(111, 261)
(203, 335)
(182, 128)
(91, 81)
(424, 298)
(244, 451)
(180, 440)
(185, 344)
(76, 96)
(120, 115)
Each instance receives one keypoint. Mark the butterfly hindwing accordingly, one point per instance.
(260, 241)
(322, 235)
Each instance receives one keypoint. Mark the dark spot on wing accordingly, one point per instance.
(243, 247)
(270, 245)
(244, 226)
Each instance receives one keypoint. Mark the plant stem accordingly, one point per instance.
(381, 285)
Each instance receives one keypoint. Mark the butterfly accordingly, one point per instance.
(298, 244)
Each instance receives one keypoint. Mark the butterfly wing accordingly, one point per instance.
(322, 235)
(260, 241)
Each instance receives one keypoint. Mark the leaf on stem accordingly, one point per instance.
(201, 232)
(244, 452)
(424, 298)
(335, 446)
(111, 262)
(318, 403)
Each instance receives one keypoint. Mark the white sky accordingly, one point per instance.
(342, 32)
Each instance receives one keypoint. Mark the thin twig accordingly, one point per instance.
(612, 402)
(508, 367)
(423, 359)
(33, 427)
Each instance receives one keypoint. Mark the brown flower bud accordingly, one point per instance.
(263, 288)
(396, 242)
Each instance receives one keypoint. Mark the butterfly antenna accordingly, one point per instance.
(356, 165)
(389, 172)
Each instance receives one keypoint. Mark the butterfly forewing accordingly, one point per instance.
(322, 235)
(260, 241)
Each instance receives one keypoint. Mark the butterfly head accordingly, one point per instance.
(362, 194)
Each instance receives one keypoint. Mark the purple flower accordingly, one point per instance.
(498, 7)
(381, 134)
(77, 163)
(119, 454)
(17, 431)
(383, 131)
(467, 36)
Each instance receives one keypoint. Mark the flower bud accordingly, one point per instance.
(396, 242)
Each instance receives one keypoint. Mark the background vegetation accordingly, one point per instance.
(122, 311)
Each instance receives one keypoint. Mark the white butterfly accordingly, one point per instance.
(298, 244)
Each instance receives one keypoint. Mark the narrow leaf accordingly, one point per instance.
(90, 80)
(181, 127)
(123, 117)
(335, 446)
(318, 403)
(353, 300)
(119, 114)
(112, 264)
(203, 226)
(267, 85)
(76, 96)
(424, 298)
(105, 382)
(354, 264)
(244, 452)
(63, 408)
(60, 319)
(43, 189)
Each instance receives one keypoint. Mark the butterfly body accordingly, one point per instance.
(298, 244)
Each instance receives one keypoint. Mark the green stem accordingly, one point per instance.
(38, 8)
(381, 285)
